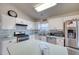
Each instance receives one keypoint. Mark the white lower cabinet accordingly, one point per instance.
(56, 40)
(4, 45)
(60, 42)
(53, 41)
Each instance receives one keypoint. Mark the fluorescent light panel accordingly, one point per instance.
(44, 6)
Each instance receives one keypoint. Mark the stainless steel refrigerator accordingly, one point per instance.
(72, 34)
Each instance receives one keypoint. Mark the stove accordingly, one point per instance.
(21, 37)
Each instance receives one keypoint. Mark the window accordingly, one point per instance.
(43, 26)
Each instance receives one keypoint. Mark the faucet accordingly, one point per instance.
(44, 48)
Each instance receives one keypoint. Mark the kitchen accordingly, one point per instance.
(20, 27)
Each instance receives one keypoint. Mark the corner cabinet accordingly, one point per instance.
(7, 22)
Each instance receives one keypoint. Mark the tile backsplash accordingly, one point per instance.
(6, 33)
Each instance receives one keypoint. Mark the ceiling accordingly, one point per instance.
(59, 9)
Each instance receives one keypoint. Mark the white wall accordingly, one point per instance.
(7, 22)
(58, 21)
(22, 18)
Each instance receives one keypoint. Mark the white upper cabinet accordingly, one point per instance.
(7, 22)
(56, 23)
(72, 24)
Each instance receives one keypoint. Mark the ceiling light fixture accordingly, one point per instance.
(44, 6)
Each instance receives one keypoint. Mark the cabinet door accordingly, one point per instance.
(8, 22)
(43, 38)
(5, 45)
(51, 40)
(60, 42)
